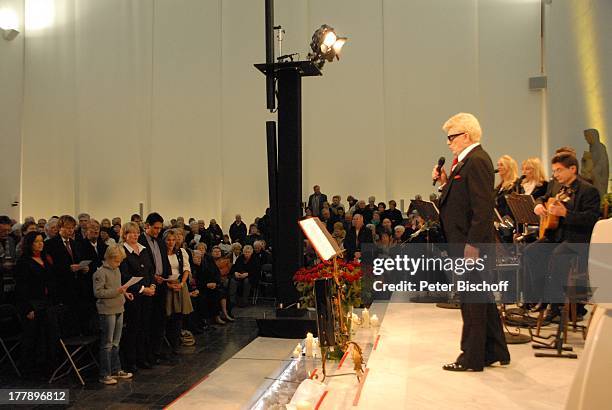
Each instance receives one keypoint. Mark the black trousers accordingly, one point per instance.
(482, 336)
(546, 266)
(40, 341)
(158, 322)
(135, 339)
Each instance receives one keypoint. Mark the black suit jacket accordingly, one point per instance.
(238, 232)
(142, 239)
(583, 211)
(352, 242)
(322, 198)
(61, 260)
(466, 202)
(95, 255)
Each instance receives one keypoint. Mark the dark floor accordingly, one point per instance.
(158, 387)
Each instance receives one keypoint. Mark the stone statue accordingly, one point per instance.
(599, 157)
(586, 166)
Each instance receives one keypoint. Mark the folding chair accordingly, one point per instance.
(266, 280)
(77, 347)
(10, 333)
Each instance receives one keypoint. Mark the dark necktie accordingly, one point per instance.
(69, 249)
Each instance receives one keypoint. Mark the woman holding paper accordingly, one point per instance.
(137, 263)
(111, 295)
(178, 301)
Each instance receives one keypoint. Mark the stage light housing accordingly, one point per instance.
(325, 45)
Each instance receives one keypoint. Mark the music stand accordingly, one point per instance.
(427, 210)
(331, 317)
(521, 206)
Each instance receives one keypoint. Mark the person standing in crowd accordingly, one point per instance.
(90, 248)
(136, 343)
(238, 230)
(65, 259)
(110, 295)
(534, 183)
(83, 220)
(35, 289)
(151, 240)
(178, 301)
(51, 228)
(8, 247)
(316, 200)
(466, 216)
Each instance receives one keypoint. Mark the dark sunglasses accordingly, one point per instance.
(453, 136)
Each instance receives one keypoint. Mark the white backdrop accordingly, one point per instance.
(157, 101)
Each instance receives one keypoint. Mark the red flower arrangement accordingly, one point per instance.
(349, 274)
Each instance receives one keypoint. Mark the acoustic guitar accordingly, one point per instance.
(549, 222)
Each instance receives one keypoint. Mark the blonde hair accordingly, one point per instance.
(127, 228)
(539, 175)
(466, 122)
(113, 251)
(512, 174)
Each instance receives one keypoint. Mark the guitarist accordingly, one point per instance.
(547, 261)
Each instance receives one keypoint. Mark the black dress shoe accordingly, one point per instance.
(457, 367)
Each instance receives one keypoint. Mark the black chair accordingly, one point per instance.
(266, 280)
(11, 332)
(77, 347)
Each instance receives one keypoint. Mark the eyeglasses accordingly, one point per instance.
(453, 136)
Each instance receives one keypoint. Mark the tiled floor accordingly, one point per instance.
(155, 388)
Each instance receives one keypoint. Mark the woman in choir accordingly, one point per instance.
(534, 183)
(135, 347)
(35, 290)
(509, 183)
(178, 300)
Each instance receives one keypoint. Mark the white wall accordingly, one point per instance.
(11, 104)
(159, 102)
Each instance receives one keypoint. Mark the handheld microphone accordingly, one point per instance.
(441, 162)
(522, 177)
(496, 171)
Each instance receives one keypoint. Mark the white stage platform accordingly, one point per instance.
(403, 371)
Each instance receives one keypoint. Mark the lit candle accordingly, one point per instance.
(374, 320)
(304, 405)
(297, 352)
(309, 344)
(365, 317)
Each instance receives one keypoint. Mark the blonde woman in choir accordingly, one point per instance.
(534, 183)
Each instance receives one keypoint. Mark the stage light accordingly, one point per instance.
(9, 24)
(325, 45)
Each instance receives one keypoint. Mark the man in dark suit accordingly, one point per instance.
(356, 237)
(238, 230)
(547, 264)
(68, 273)
(90, 248)
(151, 239)
(316, 200)
(466, 217)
